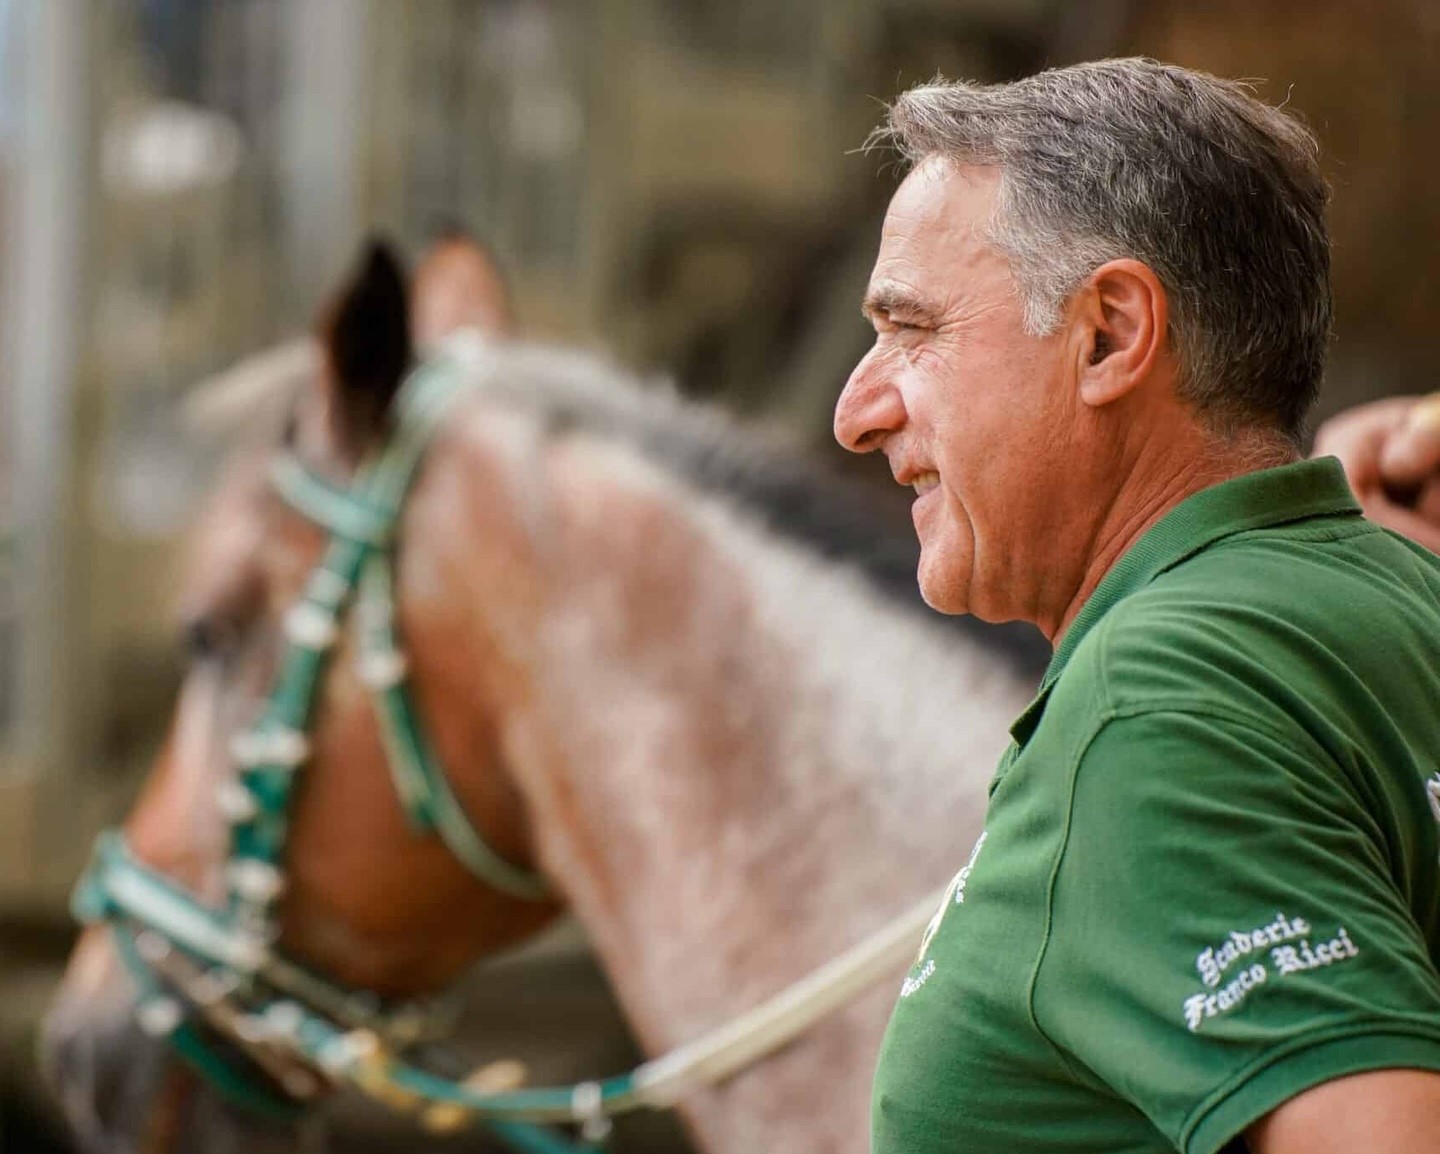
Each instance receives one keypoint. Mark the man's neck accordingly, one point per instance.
(1157, 481)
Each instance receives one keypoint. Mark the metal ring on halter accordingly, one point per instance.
(284, 1019)
(249, 953)
(152, 947)
(587, 1102)
(382, 669)
(310, 626)
(256, 881)
(159, 1016)
(278, 748)
(237, 804)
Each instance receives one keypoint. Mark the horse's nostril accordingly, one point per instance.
(103, 1072)
(54, 1049)
(64, 1053)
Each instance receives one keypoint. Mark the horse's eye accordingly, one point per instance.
(204, 639)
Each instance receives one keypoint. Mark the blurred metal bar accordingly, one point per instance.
(44, 318)
(326, 57)
(46, 315)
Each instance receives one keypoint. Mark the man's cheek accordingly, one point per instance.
(933, 364)
(946, 541)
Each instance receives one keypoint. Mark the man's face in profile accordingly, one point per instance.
(960, 399)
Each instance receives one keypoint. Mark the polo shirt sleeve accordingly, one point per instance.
(1228, 926)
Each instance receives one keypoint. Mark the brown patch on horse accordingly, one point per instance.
(372, 902)
(166, 1120)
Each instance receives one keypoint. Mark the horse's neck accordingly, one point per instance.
(750, 762)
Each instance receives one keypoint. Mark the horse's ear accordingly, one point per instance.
(459, 284)
(366, 335)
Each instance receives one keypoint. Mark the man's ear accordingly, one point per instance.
(1123, 313)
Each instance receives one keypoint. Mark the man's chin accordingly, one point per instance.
(942, 592)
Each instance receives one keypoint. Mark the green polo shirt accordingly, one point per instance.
(1208, 877)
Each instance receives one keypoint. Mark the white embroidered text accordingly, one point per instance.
(1213, 961)
(1290, 952)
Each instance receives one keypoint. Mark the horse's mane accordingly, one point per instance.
(795, 495)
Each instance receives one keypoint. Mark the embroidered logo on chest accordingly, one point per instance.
(923, 966)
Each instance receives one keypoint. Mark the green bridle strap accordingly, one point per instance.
(339, 511)
(232, 1085)
(362, 522)
(421, 783)
(117, 887)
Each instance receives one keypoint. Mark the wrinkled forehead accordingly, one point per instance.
(936, 254)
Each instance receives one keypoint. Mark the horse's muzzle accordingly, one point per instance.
(125, 1092)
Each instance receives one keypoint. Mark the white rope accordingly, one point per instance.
(735, 1045)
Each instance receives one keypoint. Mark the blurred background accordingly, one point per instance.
(676, 182)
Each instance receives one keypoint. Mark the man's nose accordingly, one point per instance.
(870, 408)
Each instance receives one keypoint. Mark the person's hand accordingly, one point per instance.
(1391, 453)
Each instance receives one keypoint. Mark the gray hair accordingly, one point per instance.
(1218, 193)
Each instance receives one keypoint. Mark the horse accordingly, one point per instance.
(672, 668)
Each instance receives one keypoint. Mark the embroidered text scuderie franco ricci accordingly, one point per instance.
(1213, 961)
(1286, 958)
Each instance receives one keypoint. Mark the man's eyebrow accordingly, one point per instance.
(887, 298)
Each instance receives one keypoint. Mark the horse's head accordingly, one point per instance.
(366, 903)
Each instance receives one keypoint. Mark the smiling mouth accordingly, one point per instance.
(924, 482)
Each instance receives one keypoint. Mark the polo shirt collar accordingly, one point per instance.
(1269, 497)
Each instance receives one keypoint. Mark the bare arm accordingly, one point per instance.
(1381, 1112)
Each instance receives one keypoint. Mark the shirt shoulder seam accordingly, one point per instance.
(1192, 707)
(1062, 1055)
